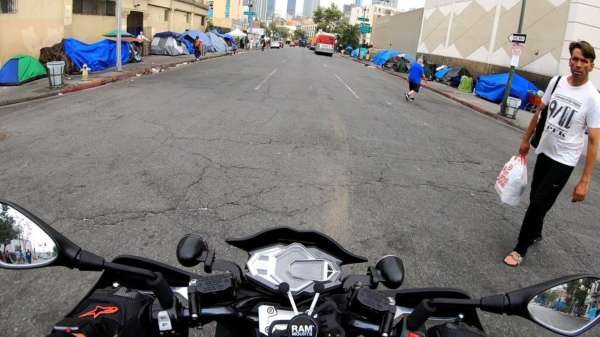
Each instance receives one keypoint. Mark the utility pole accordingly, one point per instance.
(119, 11)
(511, 73)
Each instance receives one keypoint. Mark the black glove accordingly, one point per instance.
(109, 312)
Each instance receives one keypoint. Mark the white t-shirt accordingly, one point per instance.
(571, 110)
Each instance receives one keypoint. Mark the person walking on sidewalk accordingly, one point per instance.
(573, 107)
(415, 76)
(197, 48)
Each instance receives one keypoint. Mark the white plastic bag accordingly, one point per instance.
(512, 180)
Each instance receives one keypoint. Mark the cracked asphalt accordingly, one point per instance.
(224, 149)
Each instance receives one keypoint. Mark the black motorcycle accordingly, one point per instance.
(292, 286)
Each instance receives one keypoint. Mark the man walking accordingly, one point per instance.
(197, 48)
(414, 80)
(572, 108)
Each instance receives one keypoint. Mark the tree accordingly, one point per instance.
(7, 230)
(299, 34)
(328, 19)
(348, 35)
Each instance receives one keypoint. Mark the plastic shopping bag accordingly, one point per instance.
(512, 180)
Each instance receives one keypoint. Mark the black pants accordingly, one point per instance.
(549, 178)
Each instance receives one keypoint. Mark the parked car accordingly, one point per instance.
(275, 44)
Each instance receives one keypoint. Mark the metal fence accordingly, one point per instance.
(8, 6)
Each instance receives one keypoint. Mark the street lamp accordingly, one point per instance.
(119, 5)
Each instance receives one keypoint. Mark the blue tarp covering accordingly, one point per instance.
(98, 56)
(410, 57)
(384, 56)
(9, 74)
(227, 38)
(217, 42)
(491, 87)
(441, 73)
(177, 36)
(190, 36)
(355, 53)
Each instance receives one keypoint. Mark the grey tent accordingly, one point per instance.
(168, 43)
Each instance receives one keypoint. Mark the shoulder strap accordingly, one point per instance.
(555, 84)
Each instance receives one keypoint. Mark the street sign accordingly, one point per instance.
(249, 13)
(363, 19)
(365, 29)
(518, 38)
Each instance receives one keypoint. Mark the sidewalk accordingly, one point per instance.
(40, 88)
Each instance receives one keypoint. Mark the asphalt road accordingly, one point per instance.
(560, 320)
(234, 145)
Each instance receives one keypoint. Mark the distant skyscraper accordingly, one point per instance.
(260, 7)
(388, 3)
(358, 3)
(291, 8)
(309, 7)
(270, 9)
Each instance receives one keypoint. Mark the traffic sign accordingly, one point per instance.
(363, 19)
(518, 38)
(249, 13)
(365, 29)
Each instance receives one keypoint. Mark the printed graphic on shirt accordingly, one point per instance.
(561, 111)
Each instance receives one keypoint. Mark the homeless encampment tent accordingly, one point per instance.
(21, 69)
(439, 75)
(355, 52)
(98, 56)
(454, 75)
(57, 53)
(190, 36)
(229, 40)
(492, 87)
(168, 43)
(217, 42)
(384, 56)
(466, 84)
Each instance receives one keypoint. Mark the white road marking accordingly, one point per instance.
(347, 86)
(266, 79)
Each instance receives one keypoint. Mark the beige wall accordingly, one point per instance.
(478, 30)
(89, 28)
(154, 20)
(400, 32)
(36, 24)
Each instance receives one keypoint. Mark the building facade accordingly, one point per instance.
(228, 13)
(369, 12)
(309, 8)
(30, 25)
(400, 32)
(474, 34)
(291, 8)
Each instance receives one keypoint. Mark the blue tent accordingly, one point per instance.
(441, 73)
(227, 38)
(355, 53)
(190, 36)
(217, 42)
(98, 56)
(383, 56)
(21, 69)
(492, 87)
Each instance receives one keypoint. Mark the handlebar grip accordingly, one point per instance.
(162, 290)
(417, 318)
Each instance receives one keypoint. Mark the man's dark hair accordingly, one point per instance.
(586, 49)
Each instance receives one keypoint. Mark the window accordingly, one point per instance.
(8, 6)
(188, 17)
(94, 7)
(167, 12)
(203, 18)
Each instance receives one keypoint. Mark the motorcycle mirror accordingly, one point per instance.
(192, 250)
(391, 271)
(24, 244)
(569, 308)
(28, 242)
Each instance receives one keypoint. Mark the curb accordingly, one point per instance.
(455, 99)
(102, 81)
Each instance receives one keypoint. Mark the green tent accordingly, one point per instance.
(466, 84)
(21, 69)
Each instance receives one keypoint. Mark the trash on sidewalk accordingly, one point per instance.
(56, 73)
(512, 107)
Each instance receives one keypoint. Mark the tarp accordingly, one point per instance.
(409, 57)
(217, 42)
(21, 69)
(384, 55)
(190, 36)
(454, 75)
(98, 56)
(168, 34)
(57, 53)
(168, 45)
(355, 52)
(441, 73)
(492, 87)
